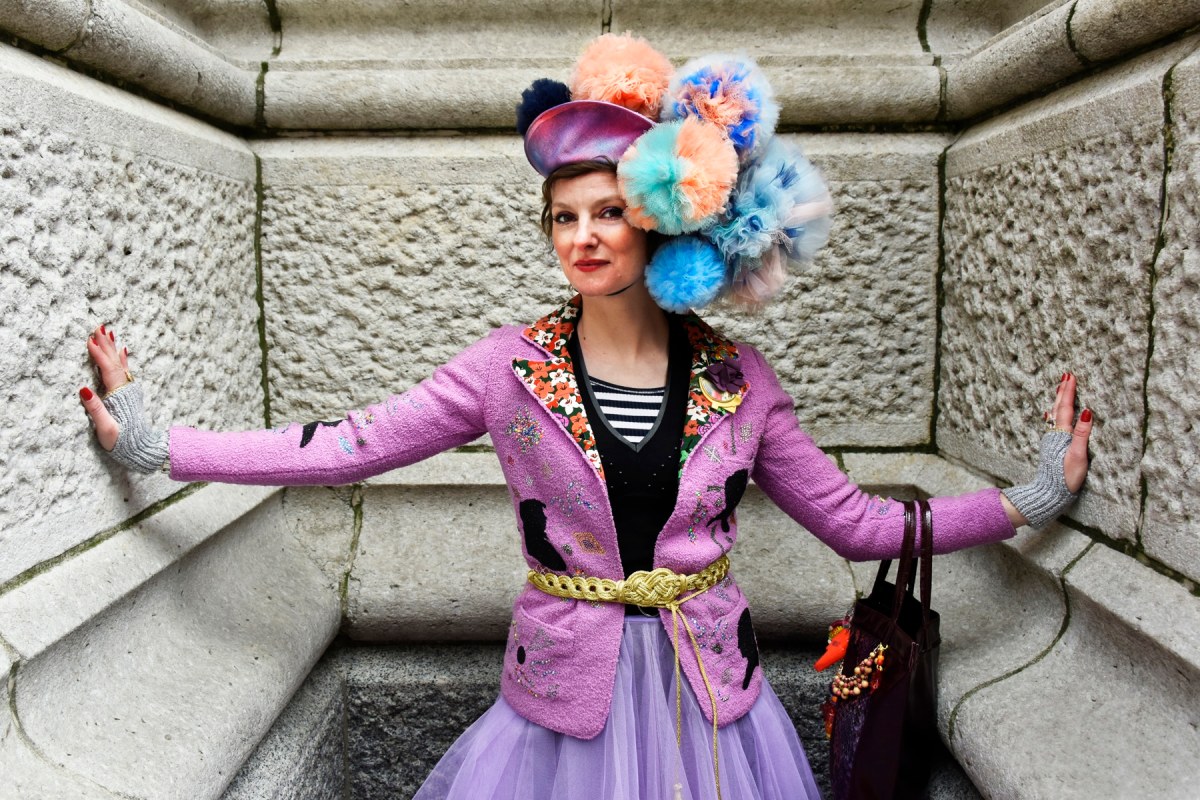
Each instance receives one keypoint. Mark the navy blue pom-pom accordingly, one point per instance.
(542, 95)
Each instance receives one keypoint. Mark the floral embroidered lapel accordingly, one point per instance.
(553, 381)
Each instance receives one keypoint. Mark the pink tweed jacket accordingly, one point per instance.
(519, 386)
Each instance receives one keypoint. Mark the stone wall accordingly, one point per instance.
(1015, 184)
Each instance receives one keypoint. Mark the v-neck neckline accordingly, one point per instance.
(585, 385)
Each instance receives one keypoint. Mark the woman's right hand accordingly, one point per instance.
(114, 373)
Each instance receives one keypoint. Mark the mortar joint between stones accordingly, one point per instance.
(41, 567)
(923, 26)
(1061, 585)
(1070, 33)
(356, 507)
(1160, 241)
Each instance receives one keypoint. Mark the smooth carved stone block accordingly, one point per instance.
(1171, 526)
(435, 564)
(120, 212)
(169, 689)
(1127, 662)
(1025, 58)
(1052, 216)
(53, 24)
(1104, 29)
(121, 41)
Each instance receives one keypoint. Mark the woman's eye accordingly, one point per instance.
(562, 218)
(613, 212)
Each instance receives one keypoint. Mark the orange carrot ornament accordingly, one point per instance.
(835, 650)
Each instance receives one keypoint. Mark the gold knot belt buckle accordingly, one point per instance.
(658, 588)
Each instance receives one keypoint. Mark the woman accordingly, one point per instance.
(627, 435)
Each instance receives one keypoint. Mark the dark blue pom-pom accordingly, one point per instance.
(542, 95)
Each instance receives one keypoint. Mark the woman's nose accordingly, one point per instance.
(585, 233)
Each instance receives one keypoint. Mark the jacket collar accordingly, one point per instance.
(553, 381)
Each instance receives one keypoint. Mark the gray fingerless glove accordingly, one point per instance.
(138, 447)
(1048, 495)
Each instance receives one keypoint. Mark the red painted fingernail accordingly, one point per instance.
(102, 331)
(125, 350)
(85, 394)
(111, 336)
(1086, 416)
(1063, 378)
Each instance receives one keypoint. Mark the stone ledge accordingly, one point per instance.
(860, 65)
(153, 662)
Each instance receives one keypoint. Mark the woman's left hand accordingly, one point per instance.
(1075, 463)
(1063, 466)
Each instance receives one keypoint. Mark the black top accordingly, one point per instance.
(643, 478)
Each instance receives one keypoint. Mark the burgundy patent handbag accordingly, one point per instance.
(884, 736)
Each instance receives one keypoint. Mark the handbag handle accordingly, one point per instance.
(906, 572)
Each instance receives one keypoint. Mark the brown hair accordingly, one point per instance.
(570, 171)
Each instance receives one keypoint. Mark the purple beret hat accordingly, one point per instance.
(582, 130)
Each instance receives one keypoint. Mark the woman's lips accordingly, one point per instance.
(589, 264)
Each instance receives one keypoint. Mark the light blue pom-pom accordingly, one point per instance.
(762, 211)
(686, 272)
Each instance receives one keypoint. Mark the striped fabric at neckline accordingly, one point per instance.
(630, 412)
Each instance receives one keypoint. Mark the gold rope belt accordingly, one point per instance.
(658, 588)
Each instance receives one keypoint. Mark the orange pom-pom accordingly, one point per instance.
(624, 70)
(712, 167)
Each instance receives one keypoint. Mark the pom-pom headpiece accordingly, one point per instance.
(677, 177)
(624, 70)
(778, 214)
(543, 95)
(730, 92)
(712, 167)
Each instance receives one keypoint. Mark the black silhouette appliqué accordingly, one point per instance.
(533, 525)
(735, 487)
(748, 646)
(311, 428)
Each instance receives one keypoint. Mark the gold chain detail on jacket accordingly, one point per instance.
(658, 588)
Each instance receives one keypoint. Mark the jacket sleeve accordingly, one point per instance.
(446, 410)
(808, 486)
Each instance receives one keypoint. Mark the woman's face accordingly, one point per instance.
(601, 254)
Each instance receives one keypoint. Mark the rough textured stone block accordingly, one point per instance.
(853, 337)
(1171, 524)
(372, 250)
(1111, 711)
(165, 693)
(406, 706)
(120, 212)
(1052, 215)
(1104, 29)
(1023, 59)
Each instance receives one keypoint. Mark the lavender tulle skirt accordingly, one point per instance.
(504, 756)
